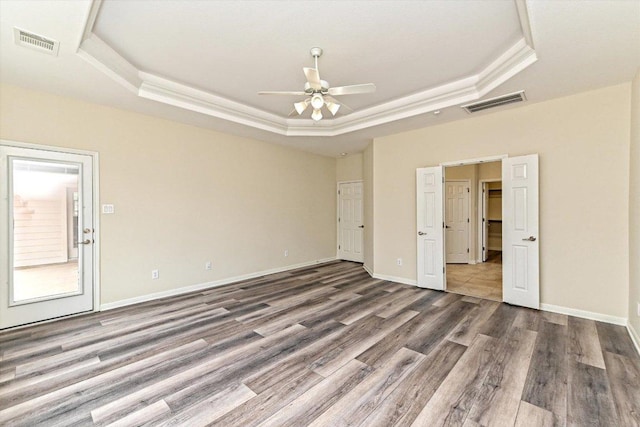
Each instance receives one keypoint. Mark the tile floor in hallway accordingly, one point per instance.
(479, 280)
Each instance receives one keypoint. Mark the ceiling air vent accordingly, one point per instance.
(495, 102)
(34, 41)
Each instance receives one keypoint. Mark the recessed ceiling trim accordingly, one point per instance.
(172, 93)
(515, 59)
(104, 58)
(511, 62)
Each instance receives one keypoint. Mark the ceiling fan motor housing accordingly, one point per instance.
(324, 87)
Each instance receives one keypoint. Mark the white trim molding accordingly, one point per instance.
(635, 337)
(367, 269)
(606, 318)
(95, 164)
(207, 285)
(622, 321)
(151, 86)
(395, 279)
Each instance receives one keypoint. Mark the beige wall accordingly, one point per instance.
(583, 143)
(491, 170)
(185, 195)
(634, 209)
(349, 168)
(369, 225)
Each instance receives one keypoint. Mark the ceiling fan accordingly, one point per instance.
(319, 93)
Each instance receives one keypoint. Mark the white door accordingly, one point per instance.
(456, 221)
(430, 262)
(38, 278)
(350, 222)
(520, 243)
(485, 221)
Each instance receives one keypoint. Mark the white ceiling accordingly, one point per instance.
(203, 62)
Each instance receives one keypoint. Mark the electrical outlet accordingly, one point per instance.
(286, 252)
(399, 261)
(155, 274)
(208, 265)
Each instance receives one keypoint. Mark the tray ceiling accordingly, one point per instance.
(203, 62)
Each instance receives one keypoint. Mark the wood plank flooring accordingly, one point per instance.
(322, 346)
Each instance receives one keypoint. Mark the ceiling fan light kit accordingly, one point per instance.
(317, 101)
(319, 93)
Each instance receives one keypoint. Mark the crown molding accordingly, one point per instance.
(149, 86)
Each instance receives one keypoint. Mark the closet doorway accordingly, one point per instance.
(479, 273)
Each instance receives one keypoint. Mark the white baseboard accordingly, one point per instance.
(395, 279)
(367, 269)
(202, 286)
(635, 337)
(622, 321)
(584, 314)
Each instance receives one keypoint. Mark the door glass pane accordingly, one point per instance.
(45, 229)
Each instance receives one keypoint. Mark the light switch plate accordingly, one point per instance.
(107, 209)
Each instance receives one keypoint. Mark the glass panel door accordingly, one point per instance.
(47, 207)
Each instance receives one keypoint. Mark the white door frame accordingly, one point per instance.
(430, 228)
(480, 214)
(355, 181)
(96, 209)
(520, 238)
(444, 165)
(501, 158)
(469, 208)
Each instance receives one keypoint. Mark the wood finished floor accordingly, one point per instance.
(322, 346)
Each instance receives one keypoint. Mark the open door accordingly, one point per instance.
(485, 222)
(430, 227)
(520, 243)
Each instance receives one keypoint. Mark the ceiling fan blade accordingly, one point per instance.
(313, 77)
(277, 92)
(335, 101)
(353, 89)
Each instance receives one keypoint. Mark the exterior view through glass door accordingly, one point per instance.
(47, 235)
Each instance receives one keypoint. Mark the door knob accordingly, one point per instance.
(447, 226)
(361, 226)
(85, 242)
(530, 239)
(420, 233)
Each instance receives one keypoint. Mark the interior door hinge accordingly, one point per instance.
(443, 269)
(468, 191)
(467, 250)
(338, 219)
(467, 219)
(339, 247)
(338, 191)
(443, 179)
